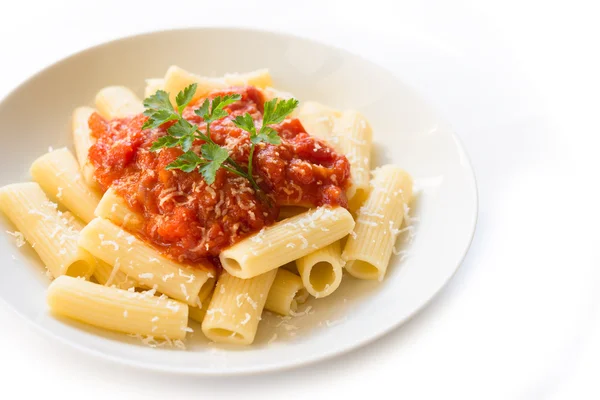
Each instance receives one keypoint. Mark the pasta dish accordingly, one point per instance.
(213, 199)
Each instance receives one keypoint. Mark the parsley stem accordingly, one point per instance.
(234, 164)
(233, 171)
(237, 169)
(244, 175)
(250, 159)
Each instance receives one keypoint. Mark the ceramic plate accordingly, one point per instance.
(407, 132)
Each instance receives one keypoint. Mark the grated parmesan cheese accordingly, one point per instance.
(191, 277)
(173, 306)
(365, 222)
(304, 242)
(334, 323)
(184, 291)
(19, 238)
(246, 320)
(110, 243)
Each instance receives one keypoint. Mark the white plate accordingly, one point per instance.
(407, 132)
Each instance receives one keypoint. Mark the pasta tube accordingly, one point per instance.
(58, 174)
(116, 309)
(143, 263)
(286, 293)
(177, 79)
(197, 313)
(236, 307)
(82, 137)
(83, 140)
(290, 211)
(260, 78)
(105, 274)
(271, 93)
(50, 235)
(153, 85)
(113, 207)
(286, 241)
(318, 120)
(355, 140)
(321, 271)
(368, 250)
(118, 102)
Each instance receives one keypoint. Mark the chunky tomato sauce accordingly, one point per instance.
(190, 220)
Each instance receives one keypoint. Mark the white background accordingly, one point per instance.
(519, 82)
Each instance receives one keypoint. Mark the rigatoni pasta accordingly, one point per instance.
(50, 235)
(319, 120)
(118, 310)
(108, 275)
(83, 140)
(286, 294)
(208, 179)
(286, 241)
(82, 137)
(153, 85)
(176, 79)
(235, 308)
(355, 136)
(58, 174)
(113, 207)
(104, 273)
(369, 248)
(260, 78)
(146, 265)
(321, 271)
(197, 313)
(118, 102)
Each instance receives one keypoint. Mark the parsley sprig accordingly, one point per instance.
(212, 157)
(275, 111)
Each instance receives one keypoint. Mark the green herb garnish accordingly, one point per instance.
(212, 157)
(275, 111)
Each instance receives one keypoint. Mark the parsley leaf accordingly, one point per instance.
(182, 128)
(246, 123)
(187, 162)
(164, 141)
(184, 97)
(216, 107)
(180, 133)
(203, 110)
(159, 109)
(158, 101)
(275, 111)
(217, 155)
(158, 118)
(267, 135)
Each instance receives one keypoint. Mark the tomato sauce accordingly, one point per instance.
(189, 220)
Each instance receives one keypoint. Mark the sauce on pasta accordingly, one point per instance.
(191, 221)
